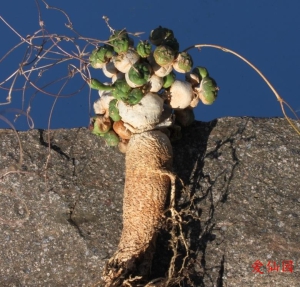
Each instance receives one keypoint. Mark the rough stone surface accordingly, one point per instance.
(61, 210)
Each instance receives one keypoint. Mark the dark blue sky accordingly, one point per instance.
(265, 32)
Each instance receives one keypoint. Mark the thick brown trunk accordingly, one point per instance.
(147, 184)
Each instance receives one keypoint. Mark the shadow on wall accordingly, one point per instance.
(207, 172)
(189, 155)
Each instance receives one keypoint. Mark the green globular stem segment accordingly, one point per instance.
(163, 55)
(185, 61)
(121, 90)
(97, 85)
(140, 73)
(160, 34)
(102, 54)
(209, 90)
(135, 97)
(113, 110)
(169, 80)
(105, 53)
(96, 130)
(201, 72)
(144, 49)
(120, 41)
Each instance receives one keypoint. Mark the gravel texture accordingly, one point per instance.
(61, 209)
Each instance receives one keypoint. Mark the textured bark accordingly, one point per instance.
(147, 185)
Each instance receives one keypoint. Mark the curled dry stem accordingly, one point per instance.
(282, 102)
(43, 53)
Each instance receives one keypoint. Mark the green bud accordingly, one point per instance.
(144, 49)
(160, 34)
(163, 55)
(101, 125)
(140, 73)
(208, 90)
(114, 111)
(201, 72)
(101, 55)
(121, 89)
(169, 80)
(120, 41)
(183, 63)
(134, 97)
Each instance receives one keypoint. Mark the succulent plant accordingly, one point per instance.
(139, 74)
(169, 80)
(101, 125)
(196, 76)
(157, 69)
(120, 41)
(117, 76)
(160, 34)
(144, 49)
(114, 111)
(164, 55)
(183, 63)
(192, 78)
(134, 97)
(207, 90)
(100, 56)
(144, 108)
(200, 72)
(121, 90)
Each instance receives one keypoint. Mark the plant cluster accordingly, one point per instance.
(144, 93)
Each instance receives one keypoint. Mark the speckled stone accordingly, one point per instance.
(61, 212)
